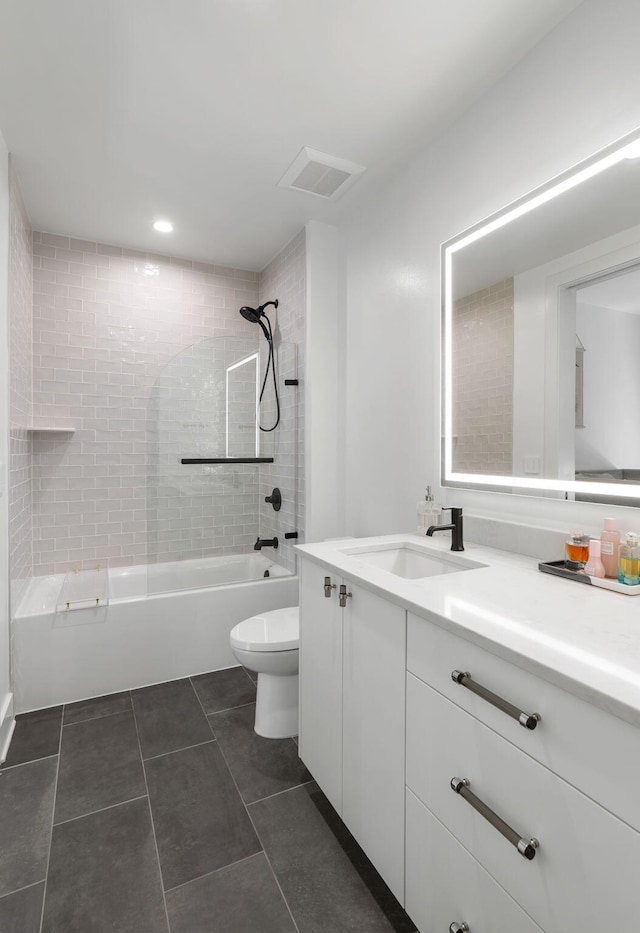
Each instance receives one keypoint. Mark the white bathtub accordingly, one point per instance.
(162, 622)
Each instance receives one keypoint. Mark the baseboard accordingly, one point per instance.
(7, 723)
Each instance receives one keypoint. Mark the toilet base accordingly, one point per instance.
(277, 706)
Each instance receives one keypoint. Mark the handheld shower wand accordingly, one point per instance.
(255, 316)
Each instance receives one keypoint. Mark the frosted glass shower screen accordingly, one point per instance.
(204, 404)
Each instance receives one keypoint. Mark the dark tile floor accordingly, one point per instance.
(160, 810)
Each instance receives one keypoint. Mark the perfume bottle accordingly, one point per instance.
(576, 550)
(629, 560)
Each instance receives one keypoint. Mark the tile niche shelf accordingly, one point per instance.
(50, 428)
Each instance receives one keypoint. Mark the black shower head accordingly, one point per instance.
(253, 315)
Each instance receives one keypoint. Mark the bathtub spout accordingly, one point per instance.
(265, 542)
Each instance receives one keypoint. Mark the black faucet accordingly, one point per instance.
(455, 528)
(265, 542)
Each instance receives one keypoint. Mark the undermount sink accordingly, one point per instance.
(410, 561)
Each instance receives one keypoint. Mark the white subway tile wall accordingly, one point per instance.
(285, 279)
(20, 393)
(483, 381)
(107, 320)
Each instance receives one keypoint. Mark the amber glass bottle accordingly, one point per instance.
(577, 550)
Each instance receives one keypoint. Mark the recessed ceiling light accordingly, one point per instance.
(163, 226)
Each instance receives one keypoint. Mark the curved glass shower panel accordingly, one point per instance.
(203, 519)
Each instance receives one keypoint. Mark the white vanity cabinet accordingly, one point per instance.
(539, 724)
(584, 873)
(352, 711)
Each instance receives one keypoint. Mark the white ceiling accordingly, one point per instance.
(119, 112)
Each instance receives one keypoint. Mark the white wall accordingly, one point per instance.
(555, 108)
(6, 699)
(323, 364)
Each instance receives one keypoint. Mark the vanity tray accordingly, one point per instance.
(558, 569)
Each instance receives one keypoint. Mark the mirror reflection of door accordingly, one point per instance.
(607, 446)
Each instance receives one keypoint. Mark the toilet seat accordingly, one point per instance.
(278, 630)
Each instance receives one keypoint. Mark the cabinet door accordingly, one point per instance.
(374, 637)
(321, 681)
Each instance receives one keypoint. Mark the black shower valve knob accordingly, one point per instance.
(275, 499)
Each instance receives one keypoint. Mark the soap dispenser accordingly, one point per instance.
(429, 513)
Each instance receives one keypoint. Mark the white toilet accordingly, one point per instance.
(268, 644)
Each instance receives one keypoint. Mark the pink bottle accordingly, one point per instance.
(594, 567)
(609, 547)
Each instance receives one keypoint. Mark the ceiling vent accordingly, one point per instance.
(320, 174)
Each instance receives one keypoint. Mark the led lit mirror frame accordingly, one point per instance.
(627, 147)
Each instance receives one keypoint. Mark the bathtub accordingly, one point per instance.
(162, 622)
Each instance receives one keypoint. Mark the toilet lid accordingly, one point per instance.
(278, 630)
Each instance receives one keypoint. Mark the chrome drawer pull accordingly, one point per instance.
(328, 586)
(343, 595)
(526, 847)
(459, 928)
(528, 720)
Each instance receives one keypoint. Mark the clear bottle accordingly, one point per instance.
(594, 566)
(629, 560)
(576, 550)
(429, 513)
(609, 547)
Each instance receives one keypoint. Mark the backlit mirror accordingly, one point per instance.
(541, 338)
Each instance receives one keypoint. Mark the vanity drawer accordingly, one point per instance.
(446, 885)
(585, 873)
(591, 749)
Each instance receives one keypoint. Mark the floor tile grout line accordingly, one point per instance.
(21, 764)
(118, 712)
(229, 709)
(23, 888)
(111, 806)
(53, 816)
(206, 716)
(214, 871)
(153, 825)
(286, 790)
(271, 868)
(249, 675)
(246, 808)
(173, 751)
(262, 849)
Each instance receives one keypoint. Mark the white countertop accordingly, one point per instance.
(583, 639)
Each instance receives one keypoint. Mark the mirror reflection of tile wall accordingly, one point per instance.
(482, 331)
